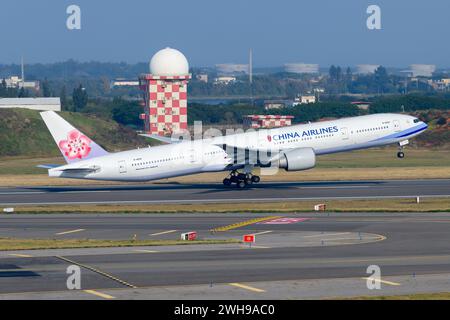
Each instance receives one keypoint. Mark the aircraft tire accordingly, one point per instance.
(241, 184)
(256, 179)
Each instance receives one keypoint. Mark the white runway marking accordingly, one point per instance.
(68, 232)
(261, 233)
(341, 187)
(163, 232)
(146, 251)
(222, 200)
(11, 193)
(326, 235)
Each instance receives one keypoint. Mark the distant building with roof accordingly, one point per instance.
(301, 68)
(304, 99)
(363, 105)
(124, 83)
(41, 104)
(17, 82)
(422, 70)
(276, 104)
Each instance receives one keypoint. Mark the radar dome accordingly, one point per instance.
(169, 62)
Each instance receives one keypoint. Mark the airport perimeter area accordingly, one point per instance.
(303, 256)
(125, 238)
(126, 250)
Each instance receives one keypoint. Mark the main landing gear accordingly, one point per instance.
(241, 180)
(401, 145)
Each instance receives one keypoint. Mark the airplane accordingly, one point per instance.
(292, 148)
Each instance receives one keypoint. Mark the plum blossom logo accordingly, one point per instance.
(269, 138)
(77, 145)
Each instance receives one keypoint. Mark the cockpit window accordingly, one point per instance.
(416, 120)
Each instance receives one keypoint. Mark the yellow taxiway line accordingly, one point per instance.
(243, 223)
(384, 281)
(99, 294)
(243, 286)
(20, 255)
(107, 275)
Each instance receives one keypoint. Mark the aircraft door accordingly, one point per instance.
(122, 167)
(192, 156)
(344, 133)
(397, 126)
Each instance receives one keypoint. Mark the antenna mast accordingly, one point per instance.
(250, 74)
(23, 71)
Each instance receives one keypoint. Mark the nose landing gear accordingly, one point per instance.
(241, 180)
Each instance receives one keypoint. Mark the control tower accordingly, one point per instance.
(165, 93)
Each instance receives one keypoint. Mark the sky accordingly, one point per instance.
(209, 32)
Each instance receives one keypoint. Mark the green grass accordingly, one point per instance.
(419, 296)
(386, 157)
(10, 244)
(21, 165)
(26, 142)
(371, 158)
(375, 205)
(23, 133)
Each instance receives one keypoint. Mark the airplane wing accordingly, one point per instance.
(247, 156)
(165, 140)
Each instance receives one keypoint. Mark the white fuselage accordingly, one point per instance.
(207, 155)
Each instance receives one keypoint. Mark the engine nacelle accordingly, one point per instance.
(298, 159)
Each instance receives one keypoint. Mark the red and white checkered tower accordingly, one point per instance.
(165, 93)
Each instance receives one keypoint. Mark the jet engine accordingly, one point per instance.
(297, 159)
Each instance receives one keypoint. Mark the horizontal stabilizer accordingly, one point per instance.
(48, 166)
(79, 169)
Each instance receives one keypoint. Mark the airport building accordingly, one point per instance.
(422, 70)
(41, 104)
(17, 82)
(165, 93)
(276, 104)
(442, 84)
(232, 68)
(267, 121)
(225, 80)
(301, 68)
(366, 68)
(124, 83)
(304, 99)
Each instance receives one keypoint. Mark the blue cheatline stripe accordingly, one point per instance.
(405, 133)
(374, 143)
(418, 130)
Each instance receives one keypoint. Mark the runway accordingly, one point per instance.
(335, 259)
(207, 193)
